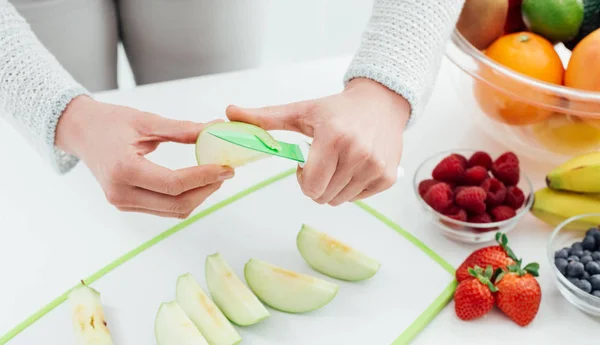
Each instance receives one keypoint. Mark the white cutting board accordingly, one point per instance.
(264, 225)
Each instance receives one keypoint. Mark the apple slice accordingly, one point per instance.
(212, 150)
(333, 258)
(204, 313)
(88, 319)
(232, 296)
(285, 290)
(174, 327)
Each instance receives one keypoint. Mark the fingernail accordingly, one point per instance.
(225, 175)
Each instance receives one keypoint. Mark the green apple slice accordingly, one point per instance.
(174, 327)
(87, 315)
(286, 290)
(232, 296)
(204, 313)
(333, 258)
(212, 150)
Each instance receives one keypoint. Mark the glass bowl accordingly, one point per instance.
(564, 235)
(544, 122)
(466, 232)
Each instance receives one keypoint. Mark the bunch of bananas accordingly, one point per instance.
(573, 189)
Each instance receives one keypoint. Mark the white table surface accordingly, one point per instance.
(39, 259)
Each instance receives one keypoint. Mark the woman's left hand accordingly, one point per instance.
(357, 139)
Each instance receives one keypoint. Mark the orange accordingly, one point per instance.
(509, 101)
(583, 70)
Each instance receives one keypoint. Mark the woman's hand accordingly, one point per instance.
(113, 140)
(357, 139)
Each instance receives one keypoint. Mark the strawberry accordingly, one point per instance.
(472, 199)
(498, 256)
(481, 159)
(474, 176)
(425, 185)
(519, 294)
(495, 191)
(500, 213)
(450, 169)
(473, 297)
(514, 197)
(506, 169)
(439, 197)
(456, 213)
(480, 218)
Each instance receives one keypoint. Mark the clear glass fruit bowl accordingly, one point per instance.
(544, 122)
(564, 235)
(466, 232)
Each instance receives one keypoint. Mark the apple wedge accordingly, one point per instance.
(286, 290)
(87, 315)
(333, 258)
(212, 150)
(204, 313)
(173, 327)
(232, 296)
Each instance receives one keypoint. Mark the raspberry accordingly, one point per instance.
(450, 170)
(514, 197)
(480, 218)
(425, 185)
(474, 176)
(439, 197)
(456, 213)
(495, 190)
(462, 159)
(472, 199)
(458, 189)
(500, 213)
(506, 169)
(481, 159)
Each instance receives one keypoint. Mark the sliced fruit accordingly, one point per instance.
(173, 327)
(286, 290)
(212, 150)
(204, 313)
(87, 315)
(557, 20)
(334, 258)
(554, 207)
(481, 22)
(579, 174)
(231, 295)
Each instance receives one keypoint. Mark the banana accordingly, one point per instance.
(553, 207)
(579, 174)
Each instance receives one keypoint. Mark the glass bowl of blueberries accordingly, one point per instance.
(574, 254)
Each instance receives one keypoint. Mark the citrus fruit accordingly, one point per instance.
(557, 20)
(481, 22)
(508, 100)
(582, 72)
(591, 22)
(564, 134)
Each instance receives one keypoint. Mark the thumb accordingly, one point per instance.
(291, 117)
(185, 132)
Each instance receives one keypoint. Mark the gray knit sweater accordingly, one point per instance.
(401, 48)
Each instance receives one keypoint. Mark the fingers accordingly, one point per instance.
(185, 132)
(319, 169)
(291, 117)
(148, 175)
(154, 213)
(347, 166)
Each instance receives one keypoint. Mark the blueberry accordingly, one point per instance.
(577, 245)
(561, 264)
(596, 256)
(587, 252)
(573, 281)
(596, 293)
(595, 281)
(586, 276)
(592, 268)
(563, 254)
(585, 259)
(573, 258)
(592, 231)
(584, 285)
(576, 252)
(575, 269)
(589, 243)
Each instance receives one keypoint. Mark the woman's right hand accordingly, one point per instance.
(113, 140)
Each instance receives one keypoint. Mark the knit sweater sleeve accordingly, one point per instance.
(403, 45)
(34, 87)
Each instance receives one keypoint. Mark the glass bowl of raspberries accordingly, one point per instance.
(574, 254)
(470, 195)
